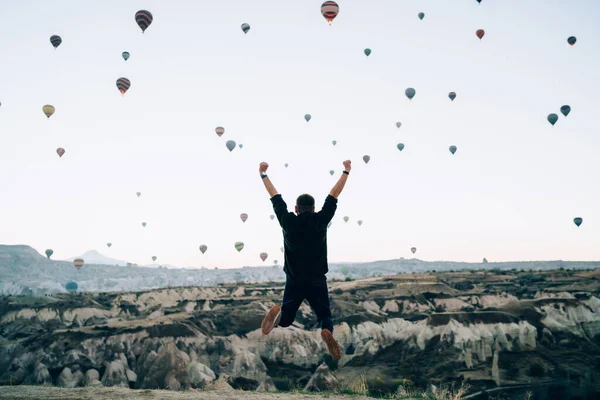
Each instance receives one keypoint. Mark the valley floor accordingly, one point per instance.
(22, 392)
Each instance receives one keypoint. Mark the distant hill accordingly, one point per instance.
(93, 257)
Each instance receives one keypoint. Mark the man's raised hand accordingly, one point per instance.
(348, 165)
(263, 167)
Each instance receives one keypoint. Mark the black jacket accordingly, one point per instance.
(305, 239)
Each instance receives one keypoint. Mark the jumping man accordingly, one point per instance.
(305, 244)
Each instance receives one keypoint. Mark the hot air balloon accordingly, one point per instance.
(452, 95)
(243, 217)
(55, 40)
(413, 249)
(479, 1)
(359, 222)
(452, 149)
(346, 219)
(410, 93)
(263, 256)
(480, 33)
(367, 52)
(60, 151)
(203, 248)
(220, 131)
(398, 125)
(331, 172)
(240, 146)
(138, 194)
(144, 19)
(153, 258)
(565, 110)
(334, 142)
(49, 253)
(366, 159)
(71, 287)
(272, 217)
(239, 246)
(485, 261)
(400, 146)
(123, 84)
(125, 55)
(48, 110)
(245, 27)
(552, 118)
(330, 10)
(78, 263)
(144, 224)
(421, 16)
(578, 221)
(109, 244)
(571, 40)
(230, 145)
(285, 165)
(307, 117)
(275, 262)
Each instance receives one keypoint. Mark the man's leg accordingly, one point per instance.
(293, 295)
(318, 298)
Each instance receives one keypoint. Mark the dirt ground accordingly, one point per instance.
(113, 393)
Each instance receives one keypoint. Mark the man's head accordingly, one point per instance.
(305, 203)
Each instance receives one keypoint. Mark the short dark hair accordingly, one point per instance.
(305, 202)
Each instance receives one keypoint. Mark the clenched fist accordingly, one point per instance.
(263, 167)
(348, 165)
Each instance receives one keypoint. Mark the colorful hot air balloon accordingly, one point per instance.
(400, 146)
(331, 172)
(330, 10)
(367, 52)
(123, 84)
(144, 19)
(153, 258)
(220, 131)
(60, 151)
(565, 110)
(272, 217)
(109, 245)
(413, 249)
(452, 149)
(480, 33)
(49, 253)
(230, 145)
(55, 40)
(421, 16)
(346, 219)
(334, 142)
(245, 27)
(239, 246)
(263, 256)
(71, 286)
(125, 55)
(452, 95)
(203, 248)
(307, 117)
(410, 93)
(243, 217)
(359, 222)
(144, 224)
(48, 110)
(138, 194)
(78, 263)
(552, 118)
(398, 125)
(578, 221)
(366, 159)
(571, 40)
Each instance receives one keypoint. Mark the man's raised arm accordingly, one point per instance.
(262, 169)
(339, 186)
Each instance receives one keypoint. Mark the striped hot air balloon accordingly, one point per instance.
(245, 27)
(330, 10)
(123, 84)
(55, 40)
(243, 217)
(239, 246)
(144, 19)
(78, 263)
(60, 151)
(263, 256)
(220, 131)
(125, 55)
(48, 110)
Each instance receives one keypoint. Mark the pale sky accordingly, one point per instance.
(509, 193)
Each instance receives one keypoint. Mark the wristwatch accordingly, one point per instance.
(346, 172)
(263, 176)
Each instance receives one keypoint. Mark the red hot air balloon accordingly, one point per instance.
(60, 151)
(330, 10)
(480, 33)
(78, 263)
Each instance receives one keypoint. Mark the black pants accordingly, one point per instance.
(317, 295)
